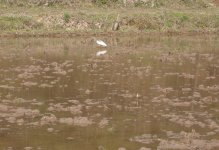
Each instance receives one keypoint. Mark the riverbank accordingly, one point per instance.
(94, 20)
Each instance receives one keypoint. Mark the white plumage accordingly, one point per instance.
(101, 53)
(101, 43)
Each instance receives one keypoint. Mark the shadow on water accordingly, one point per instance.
(145, 92)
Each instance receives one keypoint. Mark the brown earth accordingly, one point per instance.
(216, 2)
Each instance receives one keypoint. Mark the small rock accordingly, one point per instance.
(144, 148)
(87, 92)
(115, 26)
(50, 129)
(28, 148)
(10, 148)
(121, 148)
(101, 147)
(69, 138)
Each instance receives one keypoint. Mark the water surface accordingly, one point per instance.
(145, 92)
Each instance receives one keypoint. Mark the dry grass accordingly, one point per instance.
(112, 3)
(90, 18)
(18, 23)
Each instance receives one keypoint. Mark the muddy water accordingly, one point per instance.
(144, 93)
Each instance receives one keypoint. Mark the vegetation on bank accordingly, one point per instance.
(136, 3)
(101, 15)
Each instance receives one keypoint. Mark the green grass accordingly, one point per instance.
(181, 16)
(17, 23)
(66, 17)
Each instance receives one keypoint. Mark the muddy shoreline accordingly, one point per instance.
(108, 34)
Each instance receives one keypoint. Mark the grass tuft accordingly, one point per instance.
(66, 17)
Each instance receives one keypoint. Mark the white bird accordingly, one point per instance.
(101, 43)
(101, 53)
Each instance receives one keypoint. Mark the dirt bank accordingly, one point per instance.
(84, 19)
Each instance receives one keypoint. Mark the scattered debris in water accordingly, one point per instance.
(142, 91)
